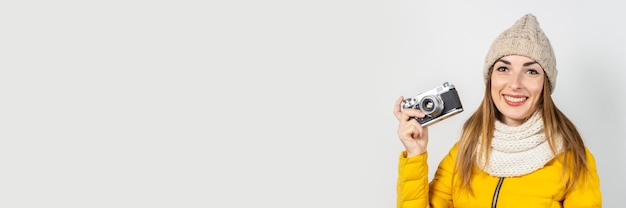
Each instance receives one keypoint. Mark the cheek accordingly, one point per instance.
(495, 90)
(537, 87)
(496, 85)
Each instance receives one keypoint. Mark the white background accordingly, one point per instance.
(266, 103)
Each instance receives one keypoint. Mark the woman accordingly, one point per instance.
(517, 150)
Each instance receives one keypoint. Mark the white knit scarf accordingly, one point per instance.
(518, 150)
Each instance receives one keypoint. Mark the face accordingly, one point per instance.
(516, 88)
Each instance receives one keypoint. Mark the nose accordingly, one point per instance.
(516, 81)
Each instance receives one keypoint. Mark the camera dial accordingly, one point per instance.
(409, 103)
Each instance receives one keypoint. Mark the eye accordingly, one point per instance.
(533, 71)
(501, 69)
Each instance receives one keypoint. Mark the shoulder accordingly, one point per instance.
(452, 154)
(454, 150)
(591, 161)
(584, 158)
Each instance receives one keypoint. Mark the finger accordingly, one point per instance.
(408, 132)
(424, 132)
(409, 112)
(420, 131)
(397, 110)
(411, 129)
(416, 128)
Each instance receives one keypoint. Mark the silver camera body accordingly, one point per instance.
(438, 104)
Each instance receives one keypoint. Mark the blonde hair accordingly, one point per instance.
(479, 128)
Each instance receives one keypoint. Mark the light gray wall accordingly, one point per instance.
(266, 103)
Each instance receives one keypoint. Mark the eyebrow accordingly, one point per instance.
(530, 63)
(525, 64)
(504, 61)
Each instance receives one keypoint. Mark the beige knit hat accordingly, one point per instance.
(524, 38)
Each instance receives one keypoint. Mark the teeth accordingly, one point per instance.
(515, 100)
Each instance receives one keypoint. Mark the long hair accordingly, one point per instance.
(480, 126)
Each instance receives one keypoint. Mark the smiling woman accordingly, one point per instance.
(516, 150)
(516, 86)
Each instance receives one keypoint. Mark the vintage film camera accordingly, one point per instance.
(438, 104)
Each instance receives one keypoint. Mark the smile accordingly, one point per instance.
(515, 100)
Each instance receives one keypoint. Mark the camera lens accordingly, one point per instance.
(428, 105)
(431, 105)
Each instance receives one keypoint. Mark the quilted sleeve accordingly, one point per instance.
(413, 188)
(441, 185)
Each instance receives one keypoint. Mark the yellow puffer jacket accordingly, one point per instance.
(542, 188)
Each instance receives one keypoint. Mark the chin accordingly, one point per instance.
(517, 117)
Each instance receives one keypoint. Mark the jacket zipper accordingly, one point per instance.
(494, 202)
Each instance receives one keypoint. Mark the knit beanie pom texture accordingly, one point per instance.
(524, 38)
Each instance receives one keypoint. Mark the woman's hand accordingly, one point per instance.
(413, 136)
